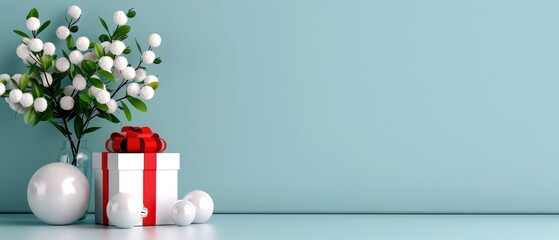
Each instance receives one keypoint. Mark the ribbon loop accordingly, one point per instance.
(133, 139)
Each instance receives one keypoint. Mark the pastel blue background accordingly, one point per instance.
(333, 106)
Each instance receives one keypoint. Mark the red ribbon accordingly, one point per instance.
(135, 140)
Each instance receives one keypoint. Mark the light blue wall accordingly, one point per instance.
(334, 106)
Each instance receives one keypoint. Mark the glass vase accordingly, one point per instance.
(83, 163)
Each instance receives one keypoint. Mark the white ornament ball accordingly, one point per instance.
(120, 62)
(26, 100)
(35, 45)
(15, 95)
(103, 96)
(120, 18)
(203, 203)
(22, 51)
(154, 40)
(49, 48)
(147, 92)
(67, 103)
(33, 23)
(79, 82)
(148, 57)
(125, 211)
(58, 193)
(62, 64)
(74, 12)
(112, 106)
(133, 89)
(40, 104)
(16, 78)
(82, 43)
(117, 47)
(140, 75)
(128, 73)
(106, 46)
(76, 57)
(151, 79)
(62, 32)
(106, 63)
(25, 40)
(90, 56)
(183, 212)
(46, 78)
(5, 76)
(2, 88)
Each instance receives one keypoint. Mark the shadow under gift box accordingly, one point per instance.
(151, 177)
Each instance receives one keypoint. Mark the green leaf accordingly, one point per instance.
(43, 27)
(131, 13)
(37, 90)
(4, 81)
(89, 67)
(99, 50)
(138, 46)
(47, 114)
(96, 82)
(14, 82)
(85, 98)
(74, 29)
(154, 85)
(46, 62)
(121, 31)
(104, 25)
(114, 119)
(126, 51)
(18, 32)
(70, 42)
(33, 13)
(23, 80)
(107, 75)
(138, 104)
(78, 126)
(102, 106)
(90, 130)
(157, 61)
(104, 38)
(29, 116)
(127, 112)
(58, 127)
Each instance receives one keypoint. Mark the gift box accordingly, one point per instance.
(135, 164)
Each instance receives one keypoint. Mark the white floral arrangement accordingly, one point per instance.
(87, 80)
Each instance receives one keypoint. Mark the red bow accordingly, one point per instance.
(135, 140)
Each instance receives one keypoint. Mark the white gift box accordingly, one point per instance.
(151, 177)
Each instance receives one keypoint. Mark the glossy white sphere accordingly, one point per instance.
(183, 212)
(124, 210)
(203, 204)
(58, 193)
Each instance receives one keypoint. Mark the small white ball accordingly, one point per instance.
(15, 95)
(90, 56)
(140, 75)
(128, 73)
(106, 63)
(22, 51)
(35, 45)
(147, 92)
(124, 210)
(183, 212)
(103, 96)
(69, 91)
(203, 203)
(93, 91)
(112, 106)
(25, 40)
(74, 12)
(67, 103)
(79, 83)
(150, 79)
(62, 64)
(40, 104)
(117, 47)
(120, 18)
(16, 78)
(82, 43)
(26, 100)
(76, 57)
(154, 40)
(46, 78)
(16, 106)
(148, 57)
(133, 89)
(2, 88)
(106, 46)
(120, 62)
(4, 76)
(62, 32)
(49, 48)
(58, 193)
(33, 24)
